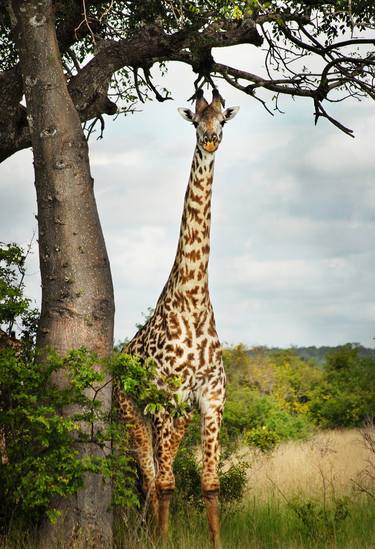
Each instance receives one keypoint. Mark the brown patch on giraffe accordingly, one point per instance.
(174, 327)
(194, 213)
(185, 366)
(186, 275)
(194, 237)
(198, 183)
(211, 327)
(171, 359)
(211, 351)
(199, 322)
(193, 255)
(196, 198)
(178, 351)
(202, 349)
(192, 295)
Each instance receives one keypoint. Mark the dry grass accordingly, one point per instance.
(325, 464)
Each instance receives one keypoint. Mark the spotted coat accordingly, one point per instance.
(181, 334)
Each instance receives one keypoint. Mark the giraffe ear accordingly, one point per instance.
(186, 114)
(230, 113)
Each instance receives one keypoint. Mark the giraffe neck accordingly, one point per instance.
(187, 285)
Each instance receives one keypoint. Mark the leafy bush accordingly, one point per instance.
(136, 378)
(246, 410)
(262, 438)
(15, 310)
(188, 481)
(43, 446)
(233, 483)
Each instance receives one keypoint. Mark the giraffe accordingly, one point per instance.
(181, 337)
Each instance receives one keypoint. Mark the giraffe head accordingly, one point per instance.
(209, 120)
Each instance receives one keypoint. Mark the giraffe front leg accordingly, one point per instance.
(211, 421)
(165, 481)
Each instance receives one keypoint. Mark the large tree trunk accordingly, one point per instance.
(77, 293)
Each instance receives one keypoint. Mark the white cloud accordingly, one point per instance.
(337, 154)
(118, 159)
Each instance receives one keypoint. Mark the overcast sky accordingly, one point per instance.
(293, 219)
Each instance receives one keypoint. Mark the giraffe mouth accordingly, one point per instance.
(210, 146)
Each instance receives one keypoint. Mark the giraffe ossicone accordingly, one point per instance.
(181, 338)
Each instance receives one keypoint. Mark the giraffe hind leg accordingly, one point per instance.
(142, 448)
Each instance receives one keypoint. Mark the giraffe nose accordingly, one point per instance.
(210, 142)
(210, 138)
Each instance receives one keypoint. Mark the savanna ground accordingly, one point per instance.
(301, 495)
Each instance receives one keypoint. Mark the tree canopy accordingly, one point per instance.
(322, 50)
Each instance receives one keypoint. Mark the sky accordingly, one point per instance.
(293, 214)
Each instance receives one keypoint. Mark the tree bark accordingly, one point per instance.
(77, 294)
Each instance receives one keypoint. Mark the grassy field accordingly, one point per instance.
(300, 496)
(323, 466)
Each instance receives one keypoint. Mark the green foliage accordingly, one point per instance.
(346, 396)
(137, 378)
(14, 306)
(45, 448)
(262, 437)
(188, 481)
(246, 409)
(233, 483)
(288, 395)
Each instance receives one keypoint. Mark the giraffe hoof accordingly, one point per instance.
(210, 493)
(165, 491)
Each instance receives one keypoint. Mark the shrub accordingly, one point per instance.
(233, 483)
(262, 437)
(188, 481)
(44, 447)
(246, 410)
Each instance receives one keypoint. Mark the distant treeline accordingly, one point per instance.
(318, 354)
